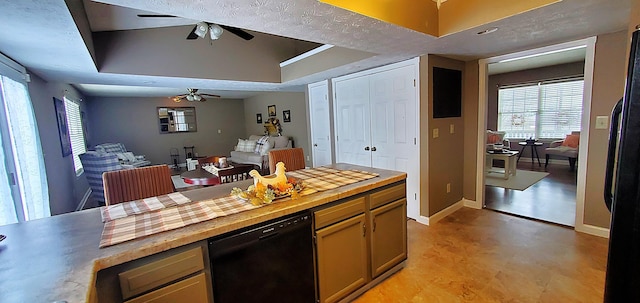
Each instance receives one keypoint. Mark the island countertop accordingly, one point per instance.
(57, 258)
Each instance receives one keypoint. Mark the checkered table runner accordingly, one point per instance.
(146, 217)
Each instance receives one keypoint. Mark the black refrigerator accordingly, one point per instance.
(622, 189)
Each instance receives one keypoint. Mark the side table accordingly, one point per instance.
(534, 150)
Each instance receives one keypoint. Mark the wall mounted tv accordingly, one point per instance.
(447, 93)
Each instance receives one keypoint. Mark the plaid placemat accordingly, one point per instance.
(126, 209)
(133, 221)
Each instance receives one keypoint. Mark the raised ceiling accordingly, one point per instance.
(54, 39)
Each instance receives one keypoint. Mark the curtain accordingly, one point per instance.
(26, 151)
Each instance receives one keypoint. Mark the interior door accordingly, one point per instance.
(320, 123)
(353, 142)
(394, 120)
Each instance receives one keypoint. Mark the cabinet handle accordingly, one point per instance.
(364, 229)
(374, 224)
(373, 148)
(366, 148)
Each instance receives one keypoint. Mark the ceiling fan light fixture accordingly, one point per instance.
(215, 31)
(196, 97)
(201, 29)
(190, 98)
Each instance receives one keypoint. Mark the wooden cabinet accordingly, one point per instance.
(358, 240)
(178, 275)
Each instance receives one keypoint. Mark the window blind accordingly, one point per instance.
(542, 110)
(76, 134)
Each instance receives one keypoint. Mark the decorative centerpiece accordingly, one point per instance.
(265, 189)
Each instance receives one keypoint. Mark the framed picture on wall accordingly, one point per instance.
(286, 115)
(259, 118)
(63, 130)
(272, 110)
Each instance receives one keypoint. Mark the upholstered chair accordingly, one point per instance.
(137, 183)
(94, 164)
(565, 148)
(293, 159)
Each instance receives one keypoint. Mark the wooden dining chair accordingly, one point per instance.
(138, 183)
(293, 159)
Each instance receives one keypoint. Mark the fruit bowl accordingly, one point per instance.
(261, 194)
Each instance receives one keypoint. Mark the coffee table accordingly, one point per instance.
(199, 176)
(509, 158)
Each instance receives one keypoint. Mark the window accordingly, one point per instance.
(76, 134)
(546, 110)
(23, 181)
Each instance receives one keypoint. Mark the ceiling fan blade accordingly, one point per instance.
(202, 99)
(210, 95)
(238, 32)
(155, 16)
(192, 35)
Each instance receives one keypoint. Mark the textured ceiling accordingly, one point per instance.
(45, 38)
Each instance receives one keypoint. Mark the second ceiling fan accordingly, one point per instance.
(193, 95)
(201, 29)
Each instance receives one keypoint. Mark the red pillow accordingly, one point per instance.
(493, 138)
(571, 141)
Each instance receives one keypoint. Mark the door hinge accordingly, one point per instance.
(415, 196)
(414, 82)
(12, 176)
(415, 141)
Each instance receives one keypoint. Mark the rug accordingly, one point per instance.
(178, 182)
(521, 181)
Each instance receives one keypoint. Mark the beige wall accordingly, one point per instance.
(445, 153)
(608, 88)
(134, 122)
(296, 129)
(470, 118)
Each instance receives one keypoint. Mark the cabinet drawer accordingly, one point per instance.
(160, 272)
(192, 290)
(388, 195)
(339, 212)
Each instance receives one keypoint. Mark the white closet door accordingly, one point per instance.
(320, 123)
(394, 120)
(352, 121)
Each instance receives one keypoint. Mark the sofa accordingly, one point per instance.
(127, 159)
(565, 148)
(255, 150)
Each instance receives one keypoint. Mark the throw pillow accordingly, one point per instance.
(264, 140)
(571, 141)
(246, 145)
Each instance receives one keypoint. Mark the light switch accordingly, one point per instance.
(219, 131)
(602, 122)
(436, 133)
(451, 129)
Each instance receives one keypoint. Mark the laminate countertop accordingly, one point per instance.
(57, 258)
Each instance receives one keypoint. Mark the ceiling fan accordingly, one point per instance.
(201, 29)
(192, 95)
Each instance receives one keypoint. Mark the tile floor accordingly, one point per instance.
(485, 256)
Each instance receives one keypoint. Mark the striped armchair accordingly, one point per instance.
(94, 164)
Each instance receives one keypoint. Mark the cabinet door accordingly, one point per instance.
(342, 258)
(389, 236)
(193, 290)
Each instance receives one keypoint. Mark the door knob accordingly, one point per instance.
(315, 145)
(373, 148)
(366, 148)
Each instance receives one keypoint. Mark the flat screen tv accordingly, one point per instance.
(447, 93)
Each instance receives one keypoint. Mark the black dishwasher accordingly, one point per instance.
(269, 262)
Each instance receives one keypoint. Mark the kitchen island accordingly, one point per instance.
(58, 258)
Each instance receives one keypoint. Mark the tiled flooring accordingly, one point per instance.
(552, 199)
(486, 256)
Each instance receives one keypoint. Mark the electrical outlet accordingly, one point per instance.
(448, 188)
(451, 129)
(436, 133)
(308, 158)
(219, 131)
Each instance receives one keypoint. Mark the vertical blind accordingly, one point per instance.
(542, 110)
(76, 134)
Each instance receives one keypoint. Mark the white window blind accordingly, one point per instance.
(542, 110)
(76, 134)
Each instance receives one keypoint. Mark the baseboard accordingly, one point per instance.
(593, 230)
(471, 204)
(84, 200)
(441, 214)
